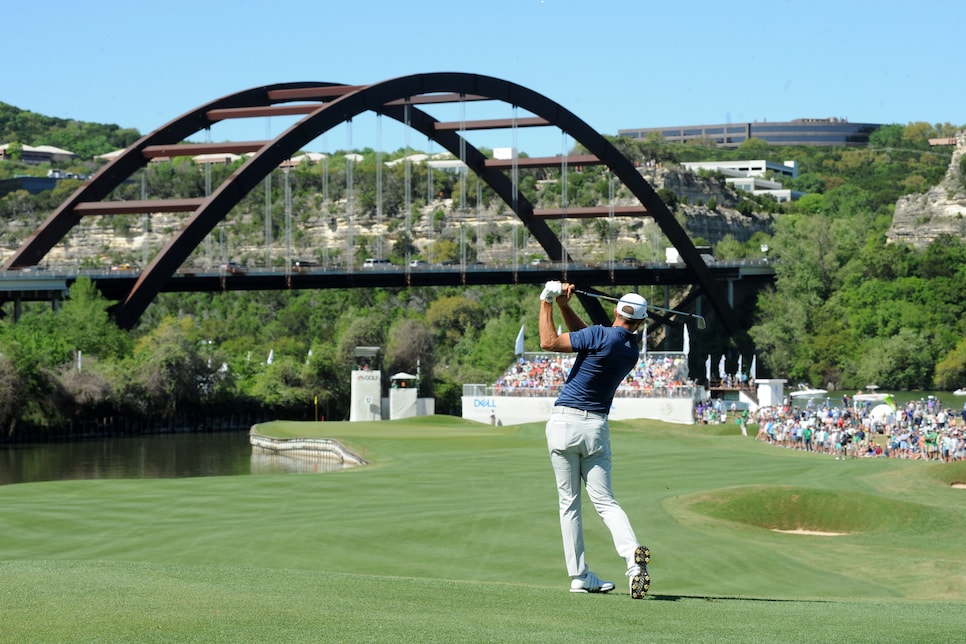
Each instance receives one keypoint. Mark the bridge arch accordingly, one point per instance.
(323, 106)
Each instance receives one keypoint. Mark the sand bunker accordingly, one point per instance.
(812, 533)
(959, 486)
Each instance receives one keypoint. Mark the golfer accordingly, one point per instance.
(578, 435)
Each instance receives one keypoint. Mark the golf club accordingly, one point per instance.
(699, 320)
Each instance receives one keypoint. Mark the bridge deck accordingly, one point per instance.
(43, 285)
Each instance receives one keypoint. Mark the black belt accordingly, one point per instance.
(573, 411)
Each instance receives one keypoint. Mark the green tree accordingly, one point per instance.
(904, 361)
(15, 150)
(280, 387)
(327, 377)
(730, 248)
(167, 367)
(444, 250)
(36, 346)
(482, 353)
(411, 346)
(90, 389)
(887, 136)
(86, 325)
(452, 316)
(755, 149)
(14, 396)
(951, 369)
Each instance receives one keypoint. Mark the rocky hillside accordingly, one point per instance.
(920, 218)
(321, 236)
(710, 225)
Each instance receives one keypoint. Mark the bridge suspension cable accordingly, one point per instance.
(288, 222)
(350, 260)
(515, 186)
(379, 194)
(268, 202)
(325, 195)
(611, 224)
(145, 220)
(408, 189)
(564, 203)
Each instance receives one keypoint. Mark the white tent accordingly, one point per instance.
(403, 392)
(860, 400)
(883, 413)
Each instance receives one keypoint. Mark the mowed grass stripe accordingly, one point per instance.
(147, 602)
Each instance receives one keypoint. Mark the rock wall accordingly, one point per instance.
(710, 225)
(322, 235)
(715, 225)
(920, 218)
(692, 187)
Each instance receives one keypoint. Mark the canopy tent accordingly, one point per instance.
(883, 413)
(860, 400)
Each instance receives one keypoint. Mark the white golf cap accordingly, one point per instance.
(632, 306)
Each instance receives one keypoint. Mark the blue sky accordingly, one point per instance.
(615, 63)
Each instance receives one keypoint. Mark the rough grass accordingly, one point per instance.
(811, 510)
(451, 535)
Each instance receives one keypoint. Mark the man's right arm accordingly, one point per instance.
(570, 318)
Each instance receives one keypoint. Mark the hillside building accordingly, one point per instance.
(824, 132)
(36, 155)
(756, 176)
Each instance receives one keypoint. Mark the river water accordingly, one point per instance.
(153, 456)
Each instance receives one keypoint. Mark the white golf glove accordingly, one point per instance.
(551, 290)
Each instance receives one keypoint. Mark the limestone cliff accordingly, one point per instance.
(920, 218)
(709, 225)
(321, 234)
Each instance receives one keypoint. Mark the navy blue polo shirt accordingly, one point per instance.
(605, 355)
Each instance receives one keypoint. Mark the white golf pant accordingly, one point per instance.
(579, 444)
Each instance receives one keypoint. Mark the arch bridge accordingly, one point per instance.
(317, 108)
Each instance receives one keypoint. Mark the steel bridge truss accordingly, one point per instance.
(323, 106)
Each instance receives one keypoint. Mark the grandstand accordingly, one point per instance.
(659, 387)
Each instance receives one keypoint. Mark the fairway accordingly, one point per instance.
(451, 534)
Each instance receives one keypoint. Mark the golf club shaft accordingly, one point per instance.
(700, 322)
(599, 296)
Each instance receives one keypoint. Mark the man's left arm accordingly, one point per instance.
(550, 340)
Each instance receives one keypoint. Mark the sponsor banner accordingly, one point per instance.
(513, 410)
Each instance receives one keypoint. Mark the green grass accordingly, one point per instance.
(451, 534)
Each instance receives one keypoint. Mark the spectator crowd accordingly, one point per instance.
(919, 430)
(658, 375)
(922, 429)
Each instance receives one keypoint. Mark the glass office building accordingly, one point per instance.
(823, 132)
